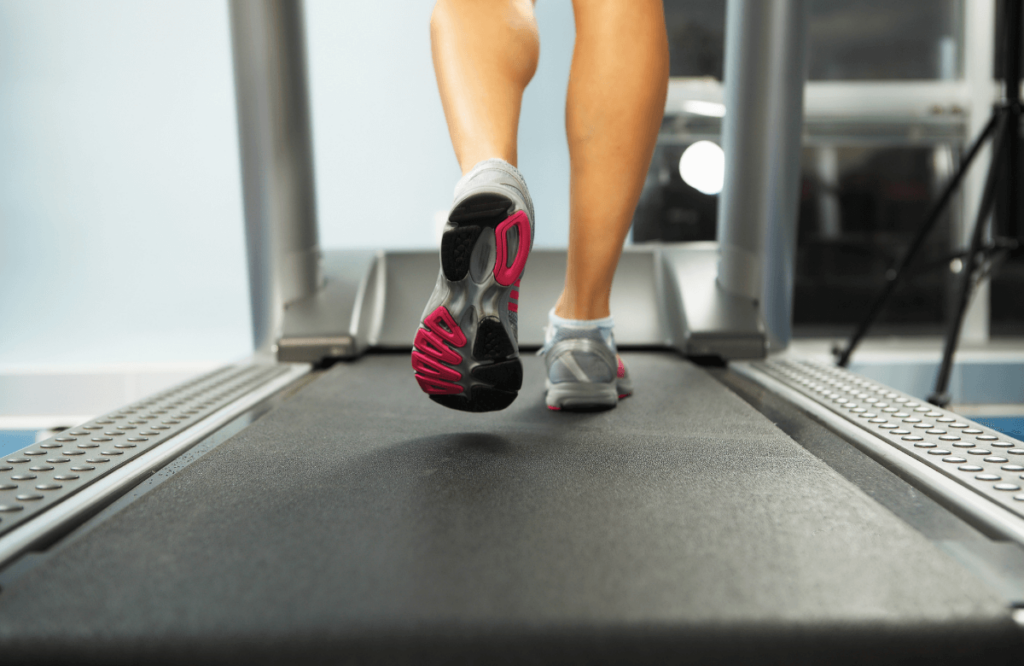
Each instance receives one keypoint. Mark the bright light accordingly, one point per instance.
(702, 167)
(699, 108)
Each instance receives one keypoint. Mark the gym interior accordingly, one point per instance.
(219, 223)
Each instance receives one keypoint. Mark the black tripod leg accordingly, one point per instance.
(894, 277)
(940, 396)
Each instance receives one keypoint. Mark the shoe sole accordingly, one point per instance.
(580, 396)
(464, 354)
(584, 396)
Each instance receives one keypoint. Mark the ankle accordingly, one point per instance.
(581, 311)
(471, 161)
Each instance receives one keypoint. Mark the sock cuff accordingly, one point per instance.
(604, 322)
(491, 163)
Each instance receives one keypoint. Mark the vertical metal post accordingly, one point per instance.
(275, 142)
(827, 171)
(1012, 44)
(765, 56)
(979, 77)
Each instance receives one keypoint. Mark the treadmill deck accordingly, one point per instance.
(359, 521)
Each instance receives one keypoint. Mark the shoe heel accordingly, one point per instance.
(508, 269)
(469, 219)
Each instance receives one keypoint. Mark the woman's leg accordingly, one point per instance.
(465, 353)
(485, 52)
(615, 104)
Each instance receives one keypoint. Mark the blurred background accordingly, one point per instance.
(895, 90)
(121, 234)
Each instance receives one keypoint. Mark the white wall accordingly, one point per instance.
(121, 237)
(120, 207)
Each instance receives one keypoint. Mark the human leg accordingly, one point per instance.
(465, 353)
(614, 107)
(485, 53)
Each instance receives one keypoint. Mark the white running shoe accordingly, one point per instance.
(466, 351)
(584, 370)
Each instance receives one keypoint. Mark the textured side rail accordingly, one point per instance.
(56, 473)
(979, 460)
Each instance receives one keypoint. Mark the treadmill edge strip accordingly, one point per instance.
(983, 461)
(45, 474)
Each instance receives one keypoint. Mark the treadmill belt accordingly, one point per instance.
(361, 523)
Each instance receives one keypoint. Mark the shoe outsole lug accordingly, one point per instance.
(506, 375)
(492, 343)
(457, 250)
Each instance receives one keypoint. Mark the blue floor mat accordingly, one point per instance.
(1008, 425)
(12, 440)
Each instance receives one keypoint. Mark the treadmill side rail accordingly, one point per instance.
(969, 467)
(54, 483)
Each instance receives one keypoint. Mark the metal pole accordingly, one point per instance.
(764, 84)
(1012, 44)
(275, 143)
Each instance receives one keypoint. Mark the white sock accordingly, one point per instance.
(605, 326)
(494, 162)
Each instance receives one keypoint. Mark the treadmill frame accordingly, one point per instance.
(737, 305)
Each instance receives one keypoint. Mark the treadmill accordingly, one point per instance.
(310, 505)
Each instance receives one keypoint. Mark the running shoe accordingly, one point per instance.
(584, 370)
(466, 351)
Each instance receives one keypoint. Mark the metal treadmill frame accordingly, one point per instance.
(732, 300)
(76, 472)
(975, 471)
